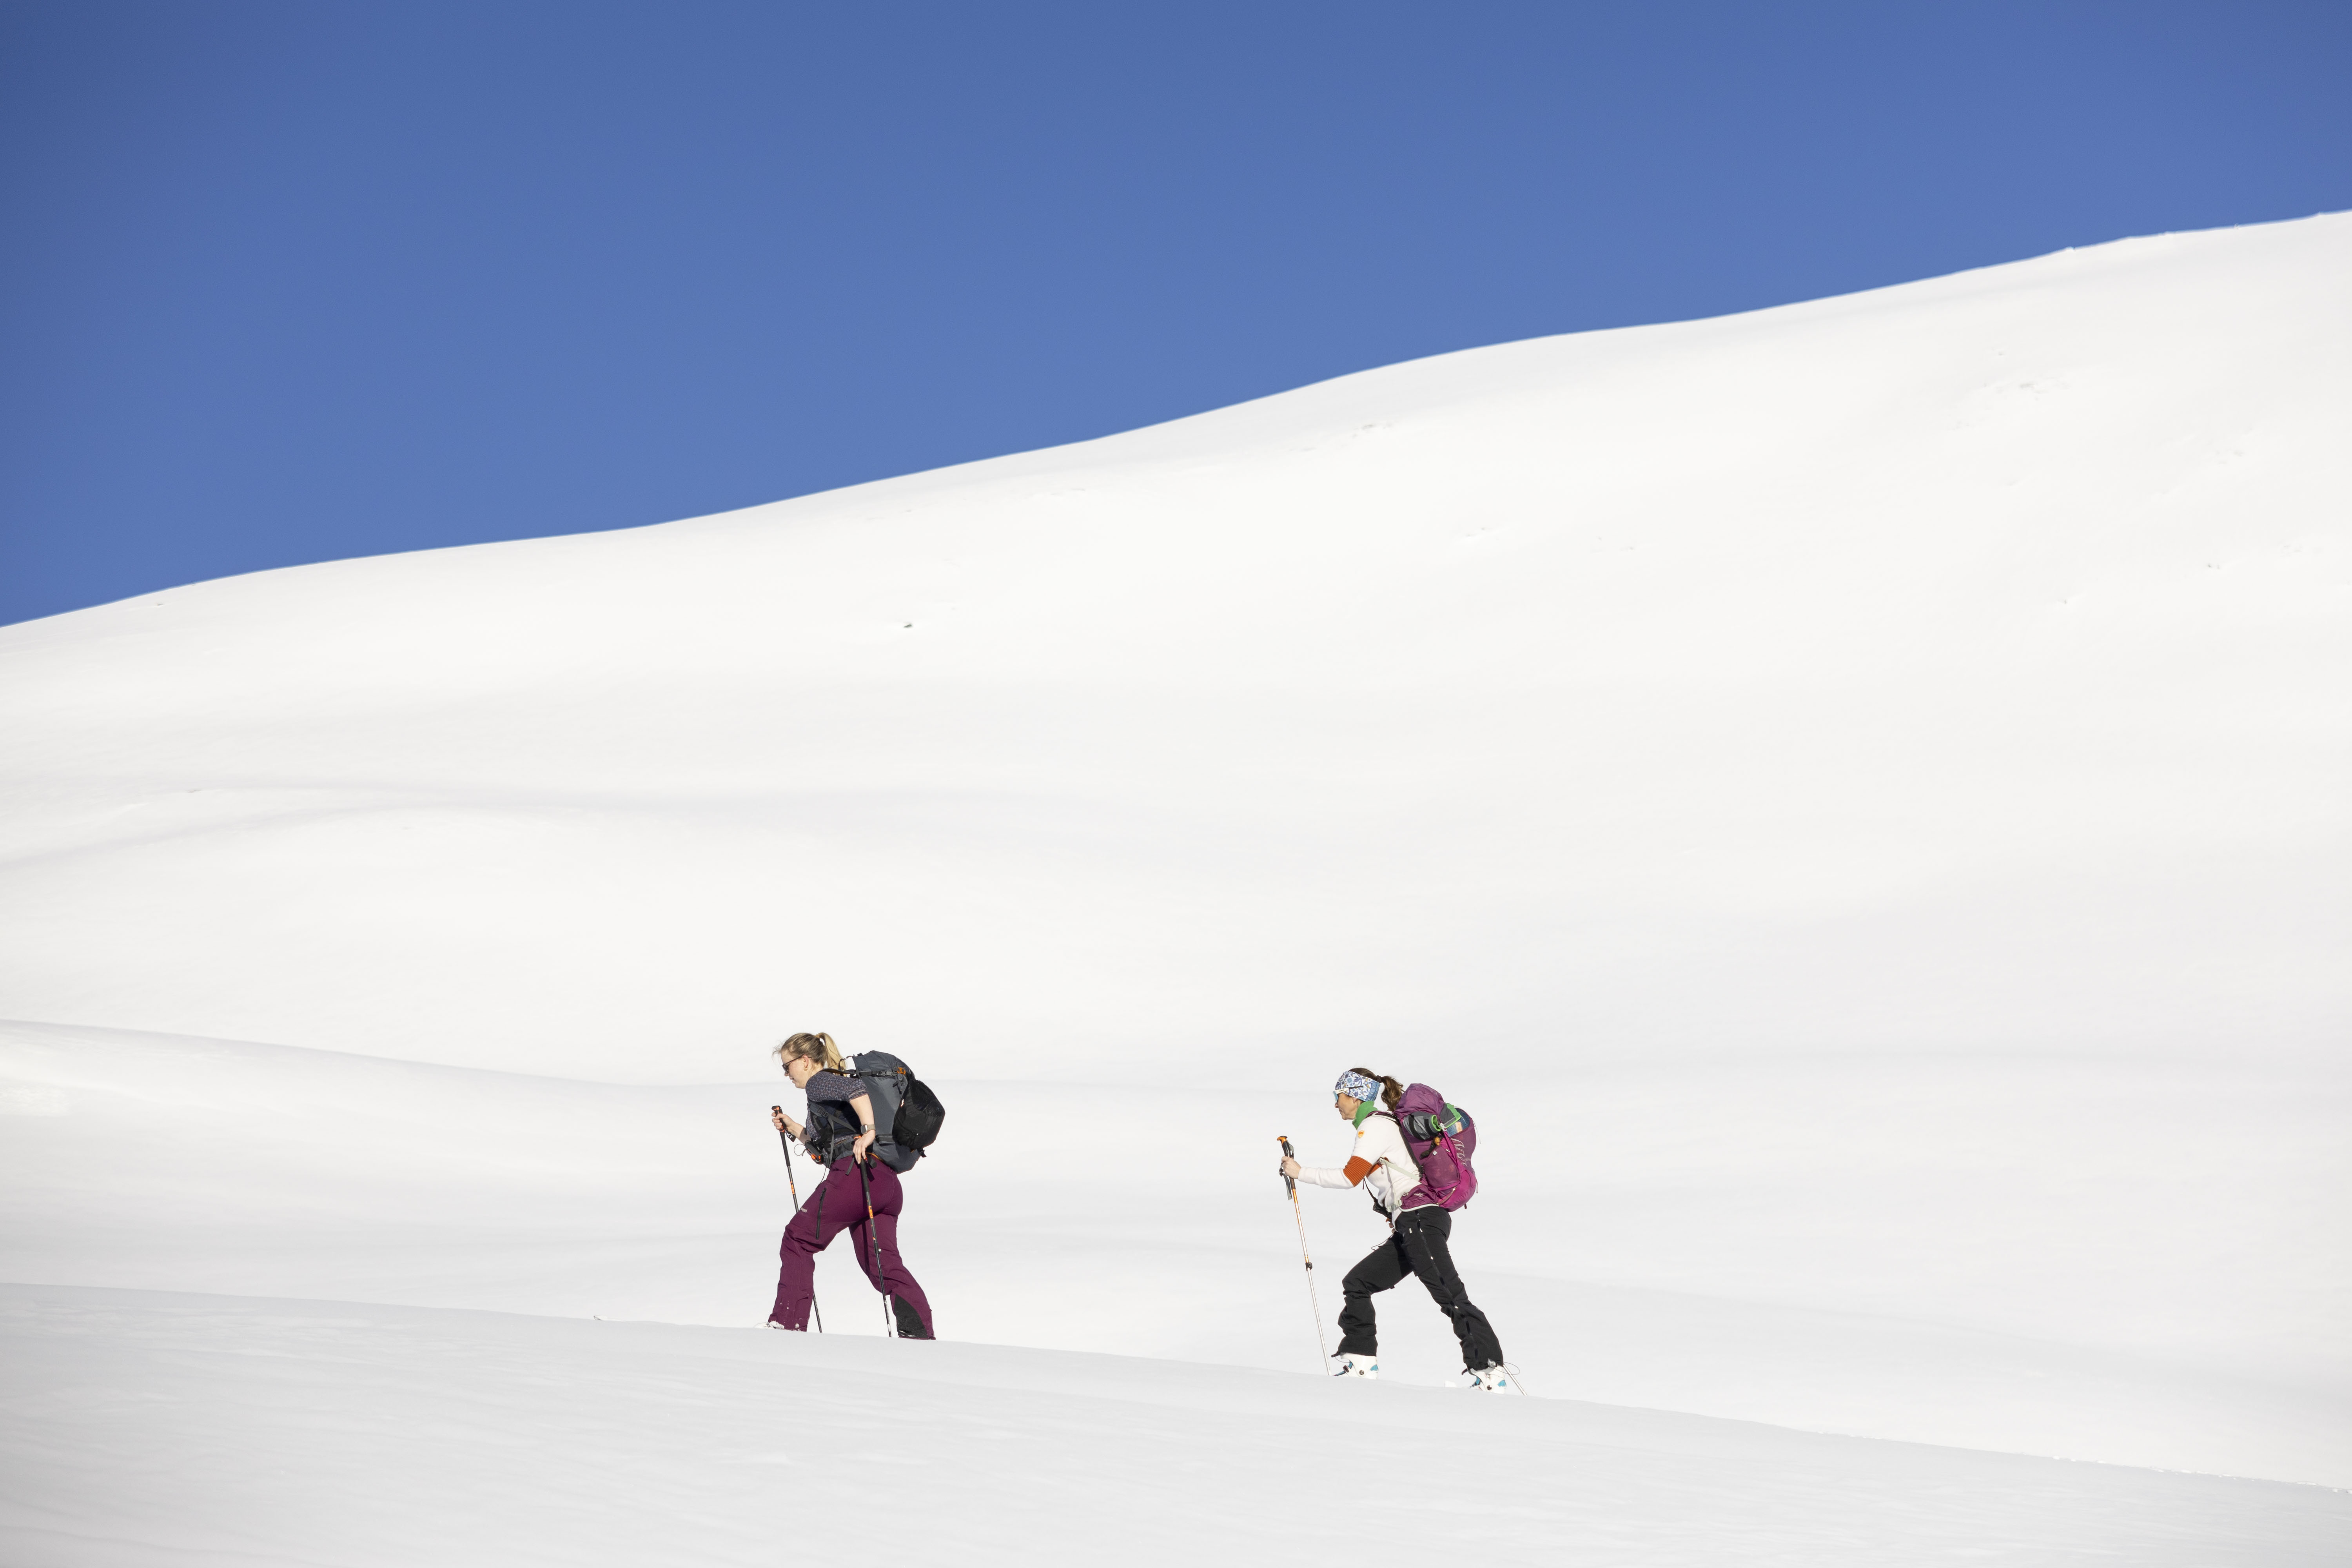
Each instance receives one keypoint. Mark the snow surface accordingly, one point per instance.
(333, 1434)
(1854, 797)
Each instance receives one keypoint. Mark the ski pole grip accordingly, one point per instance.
(1288, 1185)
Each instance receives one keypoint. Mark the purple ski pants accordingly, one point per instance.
(839, 1205)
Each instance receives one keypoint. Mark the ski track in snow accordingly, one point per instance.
(1854, 797)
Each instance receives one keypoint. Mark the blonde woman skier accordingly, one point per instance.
(836, 1094)
(1419, 1226)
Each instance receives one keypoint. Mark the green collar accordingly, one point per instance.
(1364, 1108)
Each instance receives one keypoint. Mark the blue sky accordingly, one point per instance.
(289, 282)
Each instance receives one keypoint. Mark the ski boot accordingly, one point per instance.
(1352, 1365)
(1493, 1379)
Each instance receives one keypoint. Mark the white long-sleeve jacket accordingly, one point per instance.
(1380, 1163)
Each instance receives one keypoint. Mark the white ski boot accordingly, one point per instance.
(1353, 1365)
(1490, 1380)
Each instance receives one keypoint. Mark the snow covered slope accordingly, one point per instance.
(2130, 1262)
(277, 1432)
(1958, 666)
(1855, 797)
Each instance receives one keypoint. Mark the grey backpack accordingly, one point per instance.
(906, 1114)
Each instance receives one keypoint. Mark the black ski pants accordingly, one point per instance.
(1416, 1246)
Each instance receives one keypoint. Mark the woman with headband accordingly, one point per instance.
(1419, 1226)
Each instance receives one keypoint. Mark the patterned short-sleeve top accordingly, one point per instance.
(833, 1086)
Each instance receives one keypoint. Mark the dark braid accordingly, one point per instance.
(1391, 1091)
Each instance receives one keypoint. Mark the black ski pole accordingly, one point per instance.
(874, 1234)
(795, 1187)
(1313, 1300)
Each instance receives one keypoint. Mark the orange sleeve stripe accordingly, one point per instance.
(1357, 1169)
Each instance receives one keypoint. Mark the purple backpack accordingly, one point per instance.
(1440, 1139)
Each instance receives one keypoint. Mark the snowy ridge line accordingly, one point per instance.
(1455, 380)
(203, 1051)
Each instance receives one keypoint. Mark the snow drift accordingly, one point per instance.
(1853, 796)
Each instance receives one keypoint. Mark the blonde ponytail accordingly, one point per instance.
(818, 1048)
